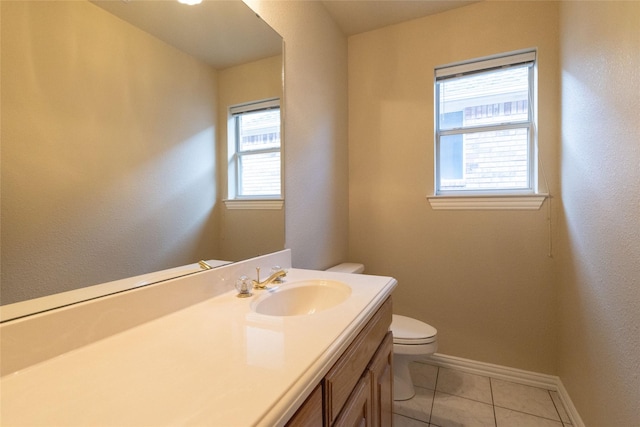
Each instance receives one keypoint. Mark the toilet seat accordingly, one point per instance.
(408, 331)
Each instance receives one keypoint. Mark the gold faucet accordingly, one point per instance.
(204, 265)
(269, 280)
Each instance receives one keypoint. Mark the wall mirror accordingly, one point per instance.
(114, 115)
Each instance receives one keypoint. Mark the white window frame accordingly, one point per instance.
(234, 200)
(528, 198)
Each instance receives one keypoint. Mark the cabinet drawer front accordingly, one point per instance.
(345, 374)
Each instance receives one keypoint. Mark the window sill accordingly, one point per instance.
(274, 204)
(515, 202)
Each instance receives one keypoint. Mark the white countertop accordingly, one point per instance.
(214, 363)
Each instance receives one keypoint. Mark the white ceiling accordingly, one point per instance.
(227, 33)
(358, 16)
(221, 33)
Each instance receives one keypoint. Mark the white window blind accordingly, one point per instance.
(485, 64)
(485, 126)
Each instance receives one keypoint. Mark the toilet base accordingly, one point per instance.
(403, 355)
(402, 383)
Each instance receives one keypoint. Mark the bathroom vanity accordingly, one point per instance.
(358, 389)
(188, 351)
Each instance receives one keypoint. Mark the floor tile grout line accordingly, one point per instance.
(556, 407)
(463, 397)
(493, 404)
(530, 414)
(516, 382)
(489, 378)
(435, 388)
(557, 410)
(457, 395)
(411, 418)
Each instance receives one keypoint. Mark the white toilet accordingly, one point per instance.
(412, 339)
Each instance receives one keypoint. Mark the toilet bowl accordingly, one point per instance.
(412, 340)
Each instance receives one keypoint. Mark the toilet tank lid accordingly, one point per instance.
(408, 328)
(347, 267)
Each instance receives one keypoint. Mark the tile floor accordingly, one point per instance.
(451, 398)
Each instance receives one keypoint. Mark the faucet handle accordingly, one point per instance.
(274, 270)
(244, 285)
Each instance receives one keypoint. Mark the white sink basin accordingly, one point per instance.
(303, 297)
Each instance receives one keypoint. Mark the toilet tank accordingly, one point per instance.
(347, 267)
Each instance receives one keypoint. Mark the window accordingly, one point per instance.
(254, 151)
(485, 142)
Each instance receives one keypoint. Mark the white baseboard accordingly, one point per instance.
(549, 382)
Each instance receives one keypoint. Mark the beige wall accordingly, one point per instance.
(482, 278)
(599, 361)
(315, 130)
(102, 178)
(245, 233)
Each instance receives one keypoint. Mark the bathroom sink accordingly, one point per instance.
(302, 297)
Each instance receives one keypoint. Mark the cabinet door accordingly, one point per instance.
(310, 413)
(345, 374)
(357, 411)
(381, 368)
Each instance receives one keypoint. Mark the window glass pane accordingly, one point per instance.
(259, 174)
(488, 98)
(451, 149)
(489, 160)
(259, 130)
(451, 161)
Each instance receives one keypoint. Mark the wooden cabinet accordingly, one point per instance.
(358, 389)
(310, 413)
(381, 369)
(357, 409)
